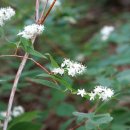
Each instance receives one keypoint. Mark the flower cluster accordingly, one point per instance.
(106, 31)
(31, 31)
(72, 68)
(6, 14)
(17, 111)
(102, 92)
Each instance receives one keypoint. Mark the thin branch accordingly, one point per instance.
(44, 8)
(37, 10)
(38, 64)
(77, 126)
(42, 19)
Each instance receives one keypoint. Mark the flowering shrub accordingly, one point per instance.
(93, 74)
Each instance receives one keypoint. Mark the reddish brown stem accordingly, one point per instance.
(38, 64)
(42, 19)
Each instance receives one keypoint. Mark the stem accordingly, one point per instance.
(77, 126)
(21, 67)
(14, 87)
(44, 8)
(37, 63)
(37, 10)
(19, 72)
(42, 19)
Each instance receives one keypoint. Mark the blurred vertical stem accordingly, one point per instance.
(21, 66)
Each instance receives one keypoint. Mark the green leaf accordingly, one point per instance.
(64, 82)
(26, 126)
(65, 109)
(26, 117)
(102, 119)
(46, 83)
(45, 75)
(84, 115)
(59, 79)
(53, 62)
(36, 53)
(1, 117)
(28, 47)
(66, 124)
(92, 120)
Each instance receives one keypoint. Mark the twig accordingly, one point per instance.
(19, 72)
(37, 10)
(77, 126)
(38, 64)
(42, 19)
(44, 8)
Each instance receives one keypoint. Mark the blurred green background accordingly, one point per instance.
(72, 30)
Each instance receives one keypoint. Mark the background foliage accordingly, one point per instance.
(72, 31)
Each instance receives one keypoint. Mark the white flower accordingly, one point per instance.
(3, 114)
(17, 111)
(104, 93)
(58, 71)
(72, 67)
(98, 89)
(106, 31)
(108, 93)
(92, 95)
(6, 14)
(81, 92)
(66, 62)
(31, 31)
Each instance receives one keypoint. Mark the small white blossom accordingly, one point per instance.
(58, 71)
(98, 89)
(3, 114)
(31, 31)
(6, 14)
(72, 67)
(108, 93)
(66, 62)
(17, 111)
(106, 31)
(92, 95)
(81, 92)
(104, 93)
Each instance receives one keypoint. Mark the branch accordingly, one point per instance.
(44, 7)
(14, 90)
(37, 10)
(21, 67)
(77, 126)
(43, 18)
(38, 64)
